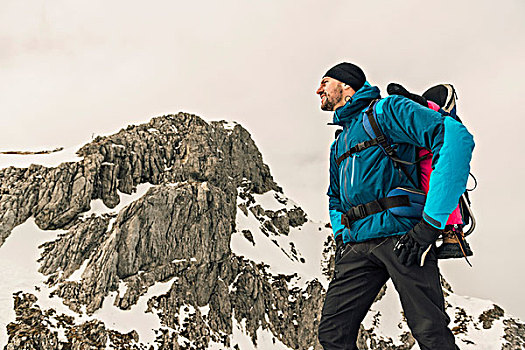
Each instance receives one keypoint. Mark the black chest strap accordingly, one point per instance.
(357, 148)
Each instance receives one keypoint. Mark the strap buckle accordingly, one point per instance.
(358, 212)
(383, 142)
(345, 221)
(355, 213)
(381, 138)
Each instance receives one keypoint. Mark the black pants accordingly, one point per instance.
(360, 272)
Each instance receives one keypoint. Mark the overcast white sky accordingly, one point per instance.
(71, 69)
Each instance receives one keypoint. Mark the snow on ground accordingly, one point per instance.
(77, 275)
(273, 200)
(276, 250)
(18, 274)
(390, 320)
(49, 160)
(98, 207)
(229, 125)
(22, 275)
(391, 323)
(265, 339)
(477, 337)
(136, 318)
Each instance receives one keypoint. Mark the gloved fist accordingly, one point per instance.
(414, 246)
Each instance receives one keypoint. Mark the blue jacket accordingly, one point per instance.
(369, 175)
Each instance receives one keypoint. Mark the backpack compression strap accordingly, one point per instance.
(363, 210)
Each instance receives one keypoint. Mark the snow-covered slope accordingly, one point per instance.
(297, 251)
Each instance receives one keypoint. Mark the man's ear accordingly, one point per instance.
(348, 88)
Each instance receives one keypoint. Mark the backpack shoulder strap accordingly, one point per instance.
(374, 131)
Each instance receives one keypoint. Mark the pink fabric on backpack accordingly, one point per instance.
(432, 105)
(426, 170)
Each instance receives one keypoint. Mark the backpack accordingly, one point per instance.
(441, 98)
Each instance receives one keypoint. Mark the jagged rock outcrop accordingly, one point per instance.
(170, 222)
(168, 149)
(37, 329)
(216, 294)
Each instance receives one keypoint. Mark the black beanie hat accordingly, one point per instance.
(348, 73)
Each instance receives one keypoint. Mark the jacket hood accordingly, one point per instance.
(356, 104)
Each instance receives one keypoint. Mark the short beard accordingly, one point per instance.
(331, 101)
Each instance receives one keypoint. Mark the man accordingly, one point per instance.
(374, 242)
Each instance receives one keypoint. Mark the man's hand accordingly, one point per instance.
(414, 246)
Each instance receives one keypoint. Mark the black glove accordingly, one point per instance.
(414, 246)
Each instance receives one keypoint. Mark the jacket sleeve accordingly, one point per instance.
(405, 121)
(334, 201)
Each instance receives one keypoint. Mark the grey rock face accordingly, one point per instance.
(170, 222)
(171, 149)
(180, 229)
(70, 250)
(33, 330)
(214, 294)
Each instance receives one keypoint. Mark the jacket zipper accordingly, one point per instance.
(345, 169)
(353, 171)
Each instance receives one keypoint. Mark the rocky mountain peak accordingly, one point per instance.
(168, 149)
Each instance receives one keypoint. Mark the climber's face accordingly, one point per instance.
(333, 93)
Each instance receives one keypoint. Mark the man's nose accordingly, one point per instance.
(319, 90)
